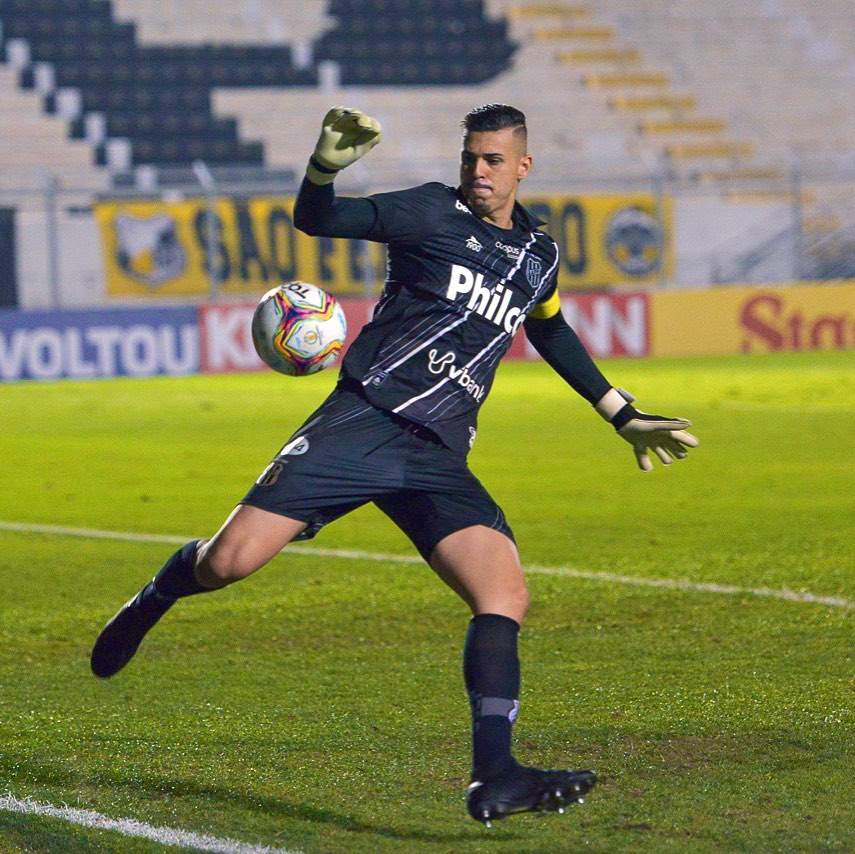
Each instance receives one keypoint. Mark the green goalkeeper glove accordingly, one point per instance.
(666, 437)
(346, 135)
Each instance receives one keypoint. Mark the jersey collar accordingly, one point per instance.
(521, 217)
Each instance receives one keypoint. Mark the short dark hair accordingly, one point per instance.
(493, 117)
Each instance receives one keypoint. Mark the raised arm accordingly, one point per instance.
(346, 135)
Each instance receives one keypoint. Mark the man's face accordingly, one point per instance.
(492, 164)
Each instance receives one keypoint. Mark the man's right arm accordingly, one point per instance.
(320, 213)
(403, 216)
(346, 135)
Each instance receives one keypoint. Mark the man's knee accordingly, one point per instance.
(223, 563)
(522, 601)
(514, 602)
(509, 600)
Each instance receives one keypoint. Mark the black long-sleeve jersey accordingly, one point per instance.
(457, 290)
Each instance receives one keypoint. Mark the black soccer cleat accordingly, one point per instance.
(121, 637)
(527, 790)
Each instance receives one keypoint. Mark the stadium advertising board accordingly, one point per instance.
(608, 240)
(753, 319)
(608, 325)
(50, 345)
(161, 248)
(216, 338)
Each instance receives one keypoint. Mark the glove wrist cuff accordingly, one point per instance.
(319, 174)
(623, 416)
(322, 166)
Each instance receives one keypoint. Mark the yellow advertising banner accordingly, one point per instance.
(607, 240)
(154, 248)
(162, 249)
(753, 319)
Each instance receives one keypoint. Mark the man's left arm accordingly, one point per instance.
(559, 345)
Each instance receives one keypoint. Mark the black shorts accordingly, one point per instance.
(349, 452)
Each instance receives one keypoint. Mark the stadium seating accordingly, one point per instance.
(705, 90)
(158, 97)
(32, 144)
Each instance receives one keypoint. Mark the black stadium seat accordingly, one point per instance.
(159, 97)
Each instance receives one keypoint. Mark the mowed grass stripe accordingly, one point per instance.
(131, 827)
(380, 557)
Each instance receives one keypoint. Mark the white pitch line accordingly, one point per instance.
(131, 827)
(381, 557)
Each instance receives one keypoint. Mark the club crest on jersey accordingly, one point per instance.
(492, 304)
(473, 243)
(533, 267)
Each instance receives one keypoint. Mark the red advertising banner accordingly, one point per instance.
(226, 340)
(608, 324)
(614, 324)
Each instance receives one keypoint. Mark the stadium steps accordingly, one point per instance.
(666, 123)
(33, 143)
(286, 120)
(780, 72)
(86, 67)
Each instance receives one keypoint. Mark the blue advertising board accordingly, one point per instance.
(116, 342)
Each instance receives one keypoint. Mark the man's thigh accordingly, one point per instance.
(482, 566)
(246, 541)
(449, 499)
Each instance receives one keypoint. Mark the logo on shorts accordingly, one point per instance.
(473, 243)
(270, 475)
(295, 447)
(472, 434)
(377, 379)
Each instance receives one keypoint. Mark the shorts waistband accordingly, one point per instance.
(420, 431)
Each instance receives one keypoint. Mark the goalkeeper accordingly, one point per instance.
(467, 268)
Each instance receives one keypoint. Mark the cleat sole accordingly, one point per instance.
(527, 790)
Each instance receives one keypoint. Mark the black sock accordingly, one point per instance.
(176, 579)
(491, 670)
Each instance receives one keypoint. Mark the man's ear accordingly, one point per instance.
(524, 166)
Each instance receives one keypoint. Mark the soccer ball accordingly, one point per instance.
(298, 329)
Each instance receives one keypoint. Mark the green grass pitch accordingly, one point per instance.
(318, 706)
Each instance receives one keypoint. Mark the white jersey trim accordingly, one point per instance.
(483, 350)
